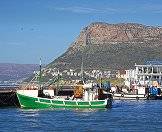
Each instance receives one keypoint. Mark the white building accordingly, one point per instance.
(148, 73)
(144, 75)
(129, 77)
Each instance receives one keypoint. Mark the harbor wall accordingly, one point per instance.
(8, 99)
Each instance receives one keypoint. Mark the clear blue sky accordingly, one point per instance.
(30, 29)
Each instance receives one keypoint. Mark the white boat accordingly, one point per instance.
(121, 96)
(143, 82)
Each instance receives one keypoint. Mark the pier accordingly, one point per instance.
(8, 96)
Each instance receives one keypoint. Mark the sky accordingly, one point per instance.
(30, 29)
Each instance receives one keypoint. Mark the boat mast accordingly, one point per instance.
(40, 89)
(82, 72)
(40, 74)
(58, 79)
(82, 59)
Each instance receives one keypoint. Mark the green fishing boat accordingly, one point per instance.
(85, 96)
(41, 103)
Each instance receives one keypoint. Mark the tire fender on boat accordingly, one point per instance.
(137, 98)
(122, 95)
(146, 96)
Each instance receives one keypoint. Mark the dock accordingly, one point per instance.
(8, 97)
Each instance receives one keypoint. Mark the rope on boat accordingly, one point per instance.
(29, 82)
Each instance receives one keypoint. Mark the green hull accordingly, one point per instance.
(41, 103)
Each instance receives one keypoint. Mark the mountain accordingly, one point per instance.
(9, 71)
(112, 46)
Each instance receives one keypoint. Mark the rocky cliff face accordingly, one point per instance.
(113, 46)
(102, 33)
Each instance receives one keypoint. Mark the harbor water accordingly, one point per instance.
(123, 116)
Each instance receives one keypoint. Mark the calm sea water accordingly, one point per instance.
(123, 116)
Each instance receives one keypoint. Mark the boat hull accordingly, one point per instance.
(129, 97)
(42, 103)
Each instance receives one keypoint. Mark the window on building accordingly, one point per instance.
(160, 69)
(140, 70)
(154, 69)
(145, 69)
(149, 69)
